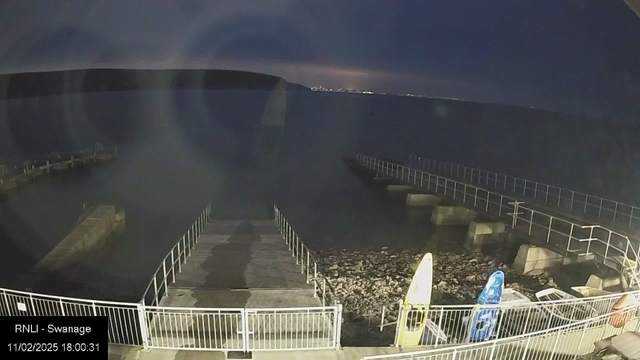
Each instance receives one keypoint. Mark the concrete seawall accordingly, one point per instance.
(93, 229)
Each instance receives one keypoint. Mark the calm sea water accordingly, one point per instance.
(180, 150)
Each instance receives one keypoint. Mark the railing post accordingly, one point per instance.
(315, 278)
(164, 273)
(455, 188)
(439, 325)
(475, 198)
(606, 252)
(464, 196)
(301, 259)
(338, 325)
(514, 215)
(546, 198)
(445, 186)
(502, 316)
(144, 331)
(586, 201)
(631, 215)
(570, 236)
(559, 195)
(615, 212)
(6, 302)
(526, 348)
(245, 330)
(308, 266)
(173, 268)
(155, 289)
(535, 190)
(184, 248)
(600, 209)
(500, 210)
(584, 329)
(396, 337)
(550, 225)
(493, 350)
(33, 307)
(179, 262)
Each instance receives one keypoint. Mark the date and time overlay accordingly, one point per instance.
(36, 337)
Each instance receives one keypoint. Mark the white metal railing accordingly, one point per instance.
(124, 318)
(305, 259)
(195, 328)
(517, 319)
(173, 261)
(564, 342)
(37, 162)
(606, 246)
(240, 329)
(615, 212)
(311, 328)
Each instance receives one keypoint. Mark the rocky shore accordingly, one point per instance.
(365, 280)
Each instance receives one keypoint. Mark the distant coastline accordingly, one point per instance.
(32, 84)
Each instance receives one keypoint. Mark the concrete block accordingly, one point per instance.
(603, 283)
(452, 215)
(422, 199)
(485, 233)
(394, 187)
(534, 259)
(119, 224)
(89, 235)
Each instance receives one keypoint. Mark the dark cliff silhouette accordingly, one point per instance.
(22, 85)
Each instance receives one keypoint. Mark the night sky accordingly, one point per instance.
(576, 56)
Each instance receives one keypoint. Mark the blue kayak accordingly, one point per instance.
(484, 320)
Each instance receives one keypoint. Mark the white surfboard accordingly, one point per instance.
(416, 304)
(420, 289)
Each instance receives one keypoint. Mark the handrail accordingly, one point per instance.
(549, 228)
(541, 191)
(492, 343)
(188, 241)
(57, 297)
(298, 249)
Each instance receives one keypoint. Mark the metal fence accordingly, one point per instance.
(606, 246)
(615, 213)
(173, 261)
(310, 328)
(451, 324)
(304, 257)
(565, 342)
(124, 318)
(239, 329)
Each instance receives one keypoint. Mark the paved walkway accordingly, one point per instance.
(240, 263)
(117, 352)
